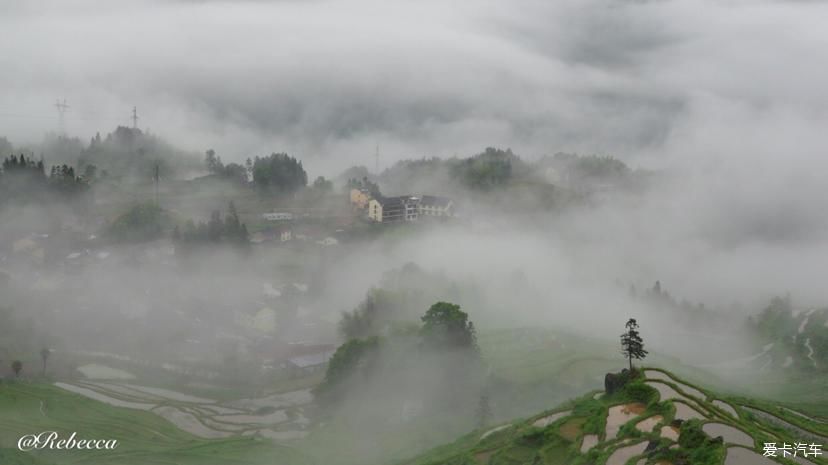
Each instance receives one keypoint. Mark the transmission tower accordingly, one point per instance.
(61, 108)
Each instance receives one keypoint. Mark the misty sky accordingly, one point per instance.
(328, 79)
(729, 95)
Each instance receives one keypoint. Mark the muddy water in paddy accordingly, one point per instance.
(685, 412)
(590, 440)
(651, 374)
(730, 434)
(104, 398)
(726, 407)
(774, 420)
(549, 419)
(666, 392)
(620, 456)
(494, 430)
(648, 424)
(621, 414)
(670, 432)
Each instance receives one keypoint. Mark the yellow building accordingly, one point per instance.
(360, 198)
(375, 210)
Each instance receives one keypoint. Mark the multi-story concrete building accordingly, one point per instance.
(393, 209)
(431, 205)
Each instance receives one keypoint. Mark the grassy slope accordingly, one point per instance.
(144, 438)
(559, 442)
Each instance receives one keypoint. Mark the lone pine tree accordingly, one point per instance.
(632, 346)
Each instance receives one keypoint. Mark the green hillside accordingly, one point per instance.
(144, 437)
(655, 418)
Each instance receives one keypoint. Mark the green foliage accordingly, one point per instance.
(532, 436)
(697, 447)
(24, 180)
(349, 360)
(400, 298)
(632, 346)
(228, 229)
(142, 222)
(775, 321)
(583, 168)
(232, 171)
(323, 185)
(446, 326)
(143, 437)
(779, 324)
(135, 153)
(279, 173)
(640, 392)
(492, 168)
(17, 367)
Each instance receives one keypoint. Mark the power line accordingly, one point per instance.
(109, 118)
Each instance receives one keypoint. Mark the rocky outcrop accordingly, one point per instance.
(615, 381)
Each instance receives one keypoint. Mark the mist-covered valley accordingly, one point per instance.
(287, 233)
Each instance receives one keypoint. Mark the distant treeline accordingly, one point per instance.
(23, 180)
(276, 173)
(228, 230)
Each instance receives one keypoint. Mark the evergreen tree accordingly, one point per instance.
(632, 346)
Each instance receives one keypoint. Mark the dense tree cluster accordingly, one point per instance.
(25, 179)
(133, 152)
(364, 183)
(494, 167)
(446, 327)
(399, 298)
(232, 171)
(354, 359)
(228, 229)
(142, 222)
(443, 351)
(279, 173)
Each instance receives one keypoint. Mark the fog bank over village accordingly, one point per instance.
(315, 232)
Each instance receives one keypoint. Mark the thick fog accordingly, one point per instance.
(674, 81)
(717, 107)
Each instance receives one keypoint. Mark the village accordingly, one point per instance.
(274, 328)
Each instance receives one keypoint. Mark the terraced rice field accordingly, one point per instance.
(205, 418)
(621, 414)
(622, 454)
(144, 437)
(730, 434)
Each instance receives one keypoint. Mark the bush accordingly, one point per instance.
(640, 392)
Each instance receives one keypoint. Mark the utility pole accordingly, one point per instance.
(61, 108)
(376, 160)
(156, 176)
(134, 118)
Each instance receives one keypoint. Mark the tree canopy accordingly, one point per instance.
(279, 172)
(446, 326)
(632, 346)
